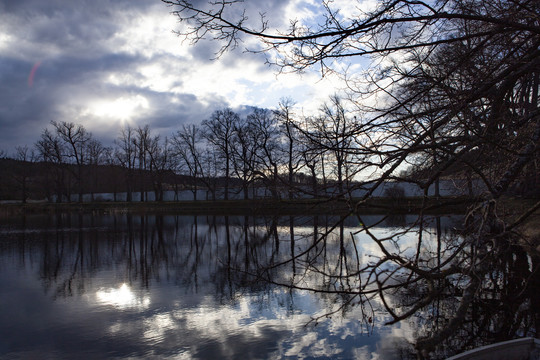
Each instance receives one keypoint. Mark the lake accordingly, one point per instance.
(124, 285)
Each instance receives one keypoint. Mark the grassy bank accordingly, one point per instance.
(254, 207)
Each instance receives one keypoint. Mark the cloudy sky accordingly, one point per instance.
(108, 63)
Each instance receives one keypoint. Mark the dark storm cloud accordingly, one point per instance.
(25, 110)
(21, 108)
(69, 25)
(72, 45)
(64, 39)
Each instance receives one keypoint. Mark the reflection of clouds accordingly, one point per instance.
(222, 322)
(392, 347)
(363, 353)
(301, 343)
(198, 312)
(122, 298)
(246, 328)
(395, 341)
(405, 331)
(157, 325)
(225, 323)
(312, 345)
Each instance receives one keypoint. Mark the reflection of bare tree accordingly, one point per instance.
(464, 291)
(445, 279)
(490, 297)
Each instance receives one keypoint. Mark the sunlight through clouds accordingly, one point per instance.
(123, 108)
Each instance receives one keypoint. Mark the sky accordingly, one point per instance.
(106, 64)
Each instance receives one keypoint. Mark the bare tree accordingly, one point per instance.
(244, 152)
(24, 170)
(51, 151)
(126, 155)
(415, 31)
(394, 25)
(211, 167)
(187, 148)
(142, 142)
(115, 173)
(96, 157)
(292, 151)
(268, 158)
(75, 138)
(219, 132)
(161, 163)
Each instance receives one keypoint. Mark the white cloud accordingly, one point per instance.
(353, 9)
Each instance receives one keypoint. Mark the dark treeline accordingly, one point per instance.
(270, 150)
(268, 153)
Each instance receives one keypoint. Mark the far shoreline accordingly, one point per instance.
(434, 206)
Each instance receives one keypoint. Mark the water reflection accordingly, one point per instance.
(139, 286)
(122, 298)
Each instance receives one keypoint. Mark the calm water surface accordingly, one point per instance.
(183, 287)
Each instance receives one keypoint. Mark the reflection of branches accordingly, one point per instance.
(466, 289)
(406, 281)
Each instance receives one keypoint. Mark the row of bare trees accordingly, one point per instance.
(267, 150)
(273, 149)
